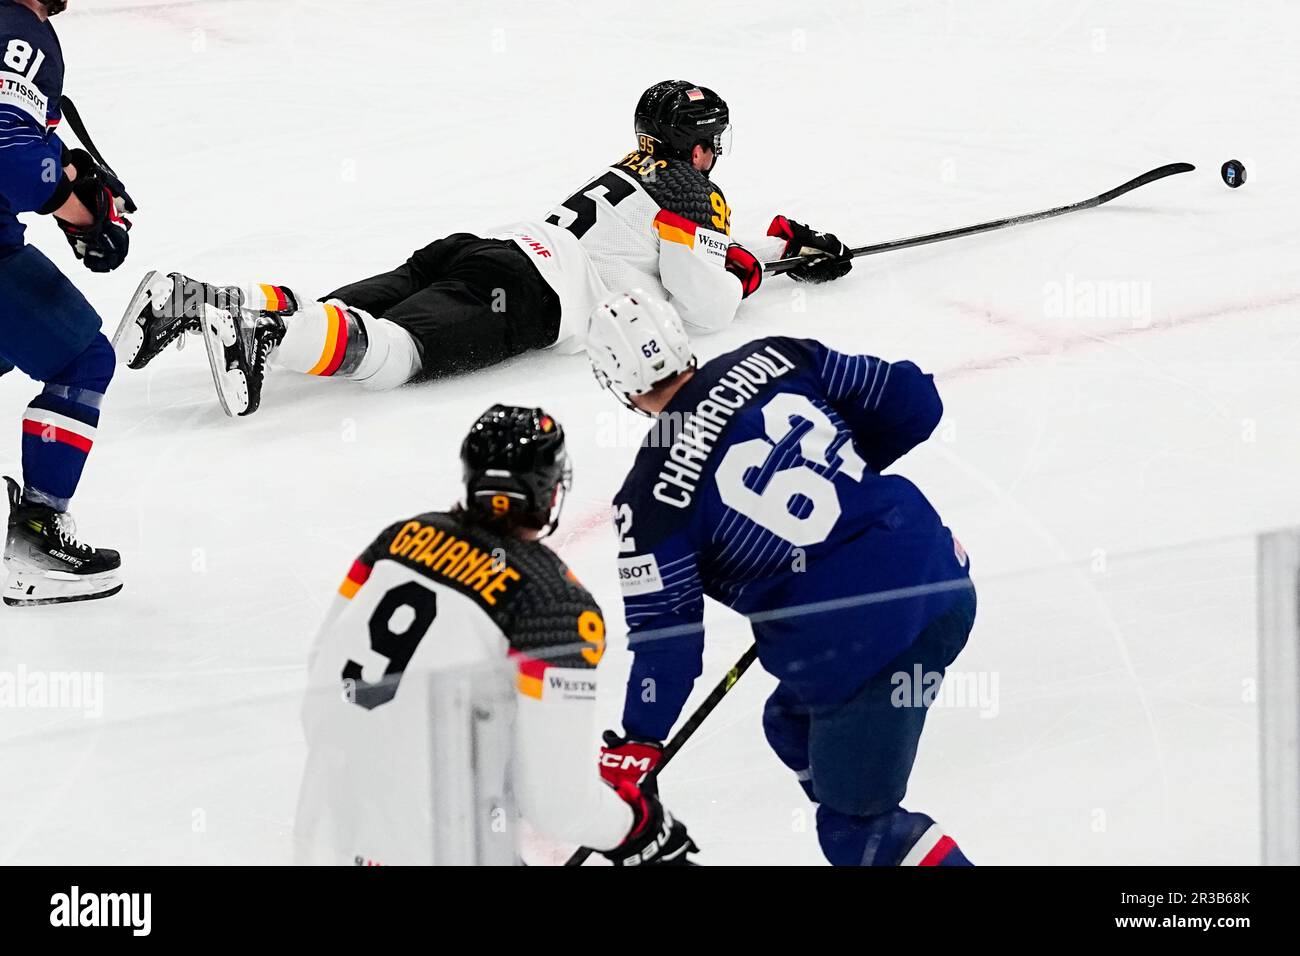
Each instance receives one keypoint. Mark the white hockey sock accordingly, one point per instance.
(333, 340)
(392, 358)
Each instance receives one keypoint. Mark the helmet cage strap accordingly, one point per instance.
(559, 495)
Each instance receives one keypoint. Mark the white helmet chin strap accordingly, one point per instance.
(605, 382)
(626, 399)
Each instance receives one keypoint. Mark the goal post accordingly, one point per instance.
(471, 737)
(1278, 591)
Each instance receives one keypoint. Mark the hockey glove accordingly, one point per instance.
(103, 244)
(85, 165)
(833, 257)
(656, 838)
(742, 264)
(626, 760)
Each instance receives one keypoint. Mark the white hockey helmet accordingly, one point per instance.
(635, 341)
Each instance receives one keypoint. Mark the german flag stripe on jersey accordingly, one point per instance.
(675, 228)
(358, 576)
(336, 342)
(529, 679)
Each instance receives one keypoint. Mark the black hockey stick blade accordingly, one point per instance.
(74, 120)
(688, 729)
(1172, 169)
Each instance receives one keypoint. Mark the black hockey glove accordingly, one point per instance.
(85, 165)
(834, 258)
(103, 244)
(656, 838)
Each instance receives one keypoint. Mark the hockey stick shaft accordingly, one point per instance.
(688, 729)
(707, 707)
(74, 120)
(1172, 169)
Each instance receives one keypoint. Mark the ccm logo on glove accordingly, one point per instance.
(623, 760)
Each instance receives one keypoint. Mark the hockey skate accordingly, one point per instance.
(45, 561)
(238, 342)
(164, 309)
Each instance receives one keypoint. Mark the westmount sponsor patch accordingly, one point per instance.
(570, 685)
(639, 575)
(711, 245)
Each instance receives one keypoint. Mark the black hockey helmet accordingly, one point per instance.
(674, 116)
(516, 468)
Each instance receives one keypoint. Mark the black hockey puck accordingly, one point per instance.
(1233, 173)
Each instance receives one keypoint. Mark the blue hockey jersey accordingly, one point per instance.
(31, 88)
(761, 486)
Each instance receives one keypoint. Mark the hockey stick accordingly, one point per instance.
(78, 127)
(679, 739)
(785, 265)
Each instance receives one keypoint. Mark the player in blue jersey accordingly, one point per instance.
(47, 328)
(762, 487)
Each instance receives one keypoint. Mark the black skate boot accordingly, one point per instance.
(164, 310)
(239, 342)
(46, 562)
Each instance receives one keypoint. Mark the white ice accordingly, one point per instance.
(1106, 466)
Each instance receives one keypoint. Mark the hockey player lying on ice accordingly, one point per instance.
(762, 488)
(472, 585)
(653, 220)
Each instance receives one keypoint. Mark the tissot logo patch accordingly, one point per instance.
(639, 575)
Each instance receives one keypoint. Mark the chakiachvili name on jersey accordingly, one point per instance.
(684, 466)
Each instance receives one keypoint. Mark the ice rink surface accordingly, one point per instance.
(1121, 385)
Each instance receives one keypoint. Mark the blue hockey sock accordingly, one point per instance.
(893, 838)
(59, 426)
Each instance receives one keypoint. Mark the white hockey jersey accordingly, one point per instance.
(659, 225)
(654, 224)
(567, 269)
(454, 681)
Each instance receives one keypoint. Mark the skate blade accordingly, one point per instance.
(29, 588)
(129, 337)
(17, 602)
(232, 386)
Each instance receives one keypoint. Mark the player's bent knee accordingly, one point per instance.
(855, 790)
(46, 322)
(92, 370)
(786, 730)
